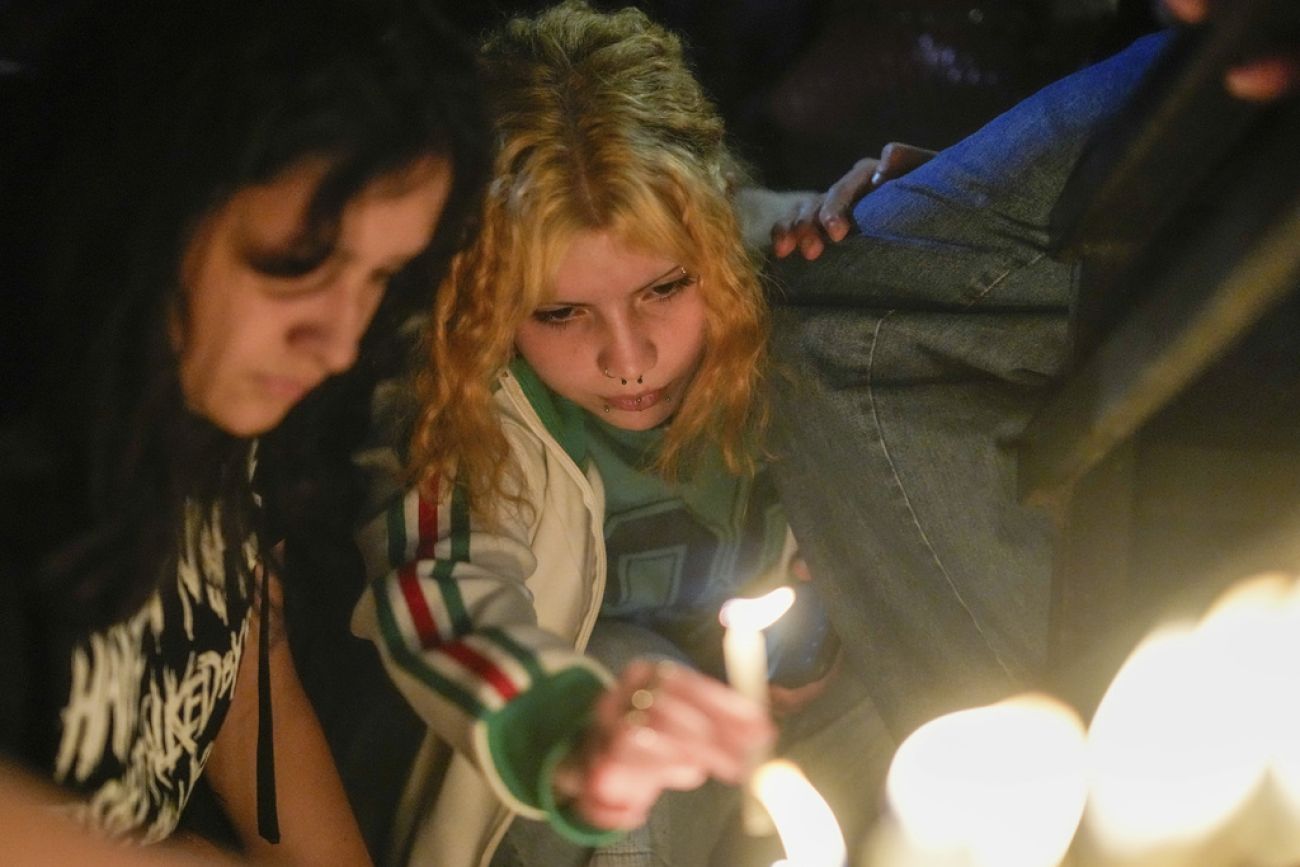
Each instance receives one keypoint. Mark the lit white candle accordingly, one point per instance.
(996, 786)
(1190, 729)
(745, 653)
(1191, 758)
(1176, 746)
(1283, 670)
(804, 821)
(743, 645)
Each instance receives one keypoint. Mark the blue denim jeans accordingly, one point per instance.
(909, 358)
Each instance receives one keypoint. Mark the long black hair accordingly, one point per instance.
(154, 116)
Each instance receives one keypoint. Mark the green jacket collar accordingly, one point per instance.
(562, 418)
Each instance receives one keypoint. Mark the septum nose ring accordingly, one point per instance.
(608, 375)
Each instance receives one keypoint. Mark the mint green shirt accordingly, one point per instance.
(675, 552)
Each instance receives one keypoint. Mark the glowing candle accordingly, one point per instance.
(803, 820)
(1177, 745)
(1191, 758)
(1191, 728)
(1284, 688)
(745, 654)
(996, 786)
(743, 646)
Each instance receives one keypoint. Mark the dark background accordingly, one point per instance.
(808, 86)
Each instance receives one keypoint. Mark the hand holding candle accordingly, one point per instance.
(659, 726)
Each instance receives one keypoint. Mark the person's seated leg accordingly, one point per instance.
(915, 351)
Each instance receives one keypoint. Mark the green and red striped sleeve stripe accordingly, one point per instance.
(477, 670)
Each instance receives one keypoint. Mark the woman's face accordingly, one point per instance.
(252, 343)
(623, 333)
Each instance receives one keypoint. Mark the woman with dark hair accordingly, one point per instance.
(244, 199)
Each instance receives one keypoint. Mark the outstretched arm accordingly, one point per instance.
(476, 618)
(554, 734)
(36, 833)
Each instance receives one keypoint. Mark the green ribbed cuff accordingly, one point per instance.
(528, 739)
(563, 820)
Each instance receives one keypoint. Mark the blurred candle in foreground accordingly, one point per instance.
(1283, 674)
(1256, 626)
(996, 786)
(803, 820)
(1195, 741)
(1182, 740)
(745, 654)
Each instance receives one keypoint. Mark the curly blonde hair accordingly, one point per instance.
(601, 126)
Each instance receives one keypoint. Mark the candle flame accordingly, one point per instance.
(1282, 679)
(996, 786)
(1192, 750)
(803, 819)
(759, 613)
(1188, 729)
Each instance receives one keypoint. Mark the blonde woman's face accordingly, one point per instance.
(622, 335)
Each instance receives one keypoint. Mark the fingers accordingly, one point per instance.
(1260, 79)
(897, 159)
(706, 725)
(1190, 11)
(818, 218)
(798, 230)
(844, 194)
(696, 720)
(787, 701)
(614, 797)
(1264, 79)
(664, 726)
